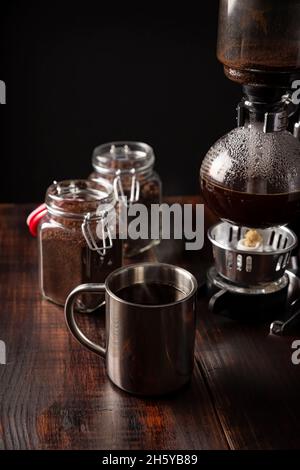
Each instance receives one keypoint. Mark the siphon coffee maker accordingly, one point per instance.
(251, 176)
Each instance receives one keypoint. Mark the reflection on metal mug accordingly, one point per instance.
(150, 326)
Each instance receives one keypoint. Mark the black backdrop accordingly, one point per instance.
(78, 76)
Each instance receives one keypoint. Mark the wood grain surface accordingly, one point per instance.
(55, 395)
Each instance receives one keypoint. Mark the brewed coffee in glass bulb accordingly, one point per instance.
(252, 178)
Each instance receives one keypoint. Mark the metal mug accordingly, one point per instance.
(149, 348)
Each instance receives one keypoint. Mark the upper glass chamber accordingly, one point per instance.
(259, 40)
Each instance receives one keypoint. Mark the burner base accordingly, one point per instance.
(270, 288)
(276, 303)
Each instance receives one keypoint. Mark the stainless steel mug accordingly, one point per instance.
(149, 347)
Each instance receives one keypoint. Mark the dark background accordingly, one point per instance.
(78, 76)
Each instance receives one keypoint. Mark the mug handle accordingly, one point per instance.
(70, 317)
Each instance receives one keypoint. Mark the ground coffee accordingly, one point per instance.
(65, 258)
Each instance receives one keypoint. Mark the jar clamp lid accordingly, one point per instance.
(124, 159)
(87, 201)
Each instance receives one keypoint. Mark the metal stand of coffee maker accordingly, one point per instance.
(284, 304)
(248, 282)
(295, 263)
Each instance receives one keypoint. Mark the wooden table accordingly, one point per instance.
(55, 395)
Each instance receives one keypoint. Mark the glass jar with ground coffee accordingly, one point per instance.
(78, 240)
(129, 167)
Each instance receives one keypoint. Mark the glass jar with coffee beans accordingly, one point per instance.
(129, 167)
(77, 240)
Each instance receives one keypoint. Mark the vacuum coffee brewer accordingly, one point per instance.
(250, 177)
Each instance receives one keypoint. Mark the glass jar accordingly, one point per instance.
(77, 240)
(129, 167)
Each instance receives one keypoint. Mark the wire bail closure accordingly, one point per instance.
(134, 188)
(105, 234)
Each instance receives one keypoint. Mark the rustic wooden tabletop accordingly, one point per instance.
(54, 394)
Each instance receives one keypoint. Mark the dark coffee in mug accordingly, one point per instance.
(150, 294)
